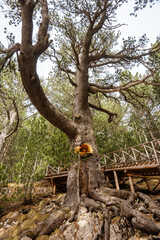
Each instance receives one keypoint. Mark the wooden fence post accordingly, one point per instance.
(53, 187)
(131, 184)
(116, 180)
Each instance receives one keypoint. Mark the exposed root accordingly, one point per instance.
(89, 203)
(107, 220)
(74, 212)
(123, 204)
(53, 222)
(122, 213)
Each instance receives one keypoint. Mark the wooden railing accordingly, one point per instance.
(55, 170)
(145, 152)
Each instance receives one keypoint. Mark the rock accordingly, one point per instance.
(114, 232)
(42, 237)
(82, 210)
(9, 223)
(25, 238)
(87, 227)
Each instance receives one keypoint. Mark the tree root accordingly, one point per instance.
(131, 210)
(123, 204)
(74, 212)
(107, 220)
(53, 222)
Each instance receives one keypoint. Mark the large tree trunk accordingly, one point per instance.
(87, 176)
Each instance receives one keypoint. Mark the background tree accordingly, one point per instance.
(11, 95)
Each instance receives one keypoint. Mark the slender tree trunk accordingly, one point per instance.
(8, 127)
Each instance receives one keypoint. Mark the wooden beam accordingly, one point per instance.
(156, 186)
(141, 176)
(132, 167)
(148, 185)
(53, 187)
(116, 180)
(131, 184)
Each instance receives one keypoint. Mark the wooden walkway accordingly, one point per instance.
(140, 161)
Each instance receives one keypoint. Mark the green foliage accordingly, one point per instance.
(36, 145)
(115, 135)
(10, 89)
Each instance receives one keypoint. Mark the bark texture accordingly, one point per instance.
(28, 57)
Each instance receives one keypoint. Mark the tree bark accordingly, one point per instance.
(89, 171)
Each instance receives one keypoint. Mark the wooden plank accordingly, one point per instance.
(141, 176)
(107, 178)
(54, 189)
(133, 167)
(56, 176)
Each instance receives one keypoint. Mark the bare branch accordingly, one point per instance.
(101, 87)
(45, 21)
(126, 54)
(43, 37)
(102, 19)
(111, 97)
(70, 80)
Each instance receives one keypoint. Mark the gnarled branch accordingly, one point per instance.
(111, 115)
(8, 54)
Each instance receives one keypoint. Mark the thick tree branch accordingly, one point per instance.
(101, 87)
(43, 37)
(45, 21)
(92, 30)
(27, 25)
(11, 116)
(102, 19)
(28, 61)
(71, 81)
(125, 86)
(125, 54)
(8, 54)
(110, 114)
(66, 70)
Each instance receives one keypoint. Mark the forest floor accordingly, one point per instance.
(19, 221)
